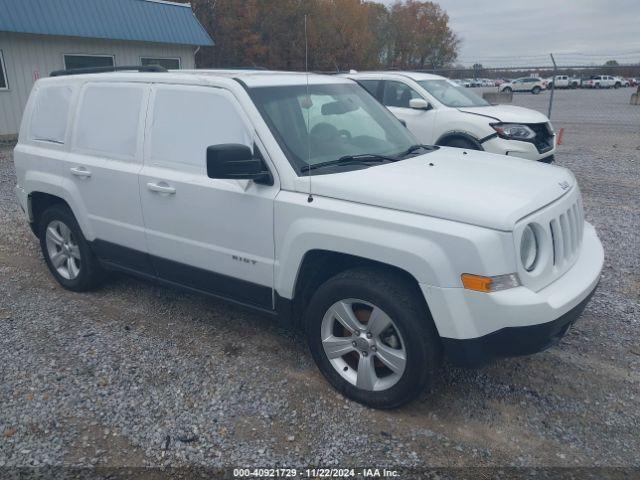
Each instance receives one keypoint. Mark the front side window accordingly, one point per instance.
(397, 94)
(168, 63)
(332, 122)
(187, 120)
(4, 83)
(72, 62)
(451, 94)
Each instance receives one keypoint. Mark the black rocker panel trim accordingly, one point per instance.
(117, 257)
(113, 253)
(214, 283)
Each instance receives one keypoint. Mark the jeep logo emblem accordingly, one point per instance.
(564, 185)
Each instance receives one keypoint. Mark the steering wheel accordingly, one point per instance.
(325, 132)
(345, 134)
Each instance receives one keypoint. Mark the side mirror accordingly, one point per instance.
(419, 104)
(236, 162)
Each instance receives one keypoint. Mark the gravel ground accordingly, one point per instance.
(140, 375)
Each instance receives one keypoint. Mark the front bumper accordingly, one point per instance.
(487, 322)
(516, 148)
(512, 341)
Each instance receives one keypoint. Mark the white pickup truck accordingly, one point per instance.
(563, 81)
(303, 197)
(602, 81)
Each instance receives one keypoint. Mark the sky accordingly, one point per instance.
(524, 32)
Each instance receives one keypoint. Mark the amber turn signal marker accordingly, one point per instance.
(476, 282)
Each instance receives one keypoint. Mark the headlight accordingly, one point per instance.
(513, 131)
(528, 248)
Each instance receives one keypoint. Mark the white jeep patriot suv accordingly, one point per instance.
(438, 111)
(312, 202)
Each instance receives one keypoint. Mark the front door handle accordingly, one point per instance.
(161, 187)
(80, 172)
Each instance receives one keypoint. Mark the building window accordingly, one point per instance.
(4, 83)
(168, 63)
(71, 62)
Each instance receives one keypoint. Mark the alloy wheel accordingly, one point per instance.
(363, 344)
(63, 250)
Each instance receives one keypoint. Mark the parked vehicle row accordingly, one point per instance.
(559, 81)
(303, 197)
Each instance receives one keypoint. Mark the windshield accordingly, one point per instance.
(344, 120)
(451, 94)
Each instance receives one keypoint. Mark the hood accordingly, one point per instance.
(493, 191)
(508, 113)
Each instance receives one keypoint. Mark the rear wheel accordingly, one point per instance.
(66, 251)
(535, 90)
(372, 337)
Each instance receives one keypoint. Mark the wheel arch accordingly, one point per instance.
(319, 265)
(39, 200)
(446, 137)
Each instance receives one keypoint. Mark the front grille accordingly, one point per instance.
(544, 136)
(566, 234)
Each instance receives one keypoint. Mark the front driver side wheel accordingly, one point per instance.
(535, 90)
(372, 337)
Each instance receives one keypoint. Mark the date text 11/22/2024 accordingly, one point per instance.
(314, 473)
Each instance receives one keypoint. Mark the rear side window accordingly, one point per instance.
(370, 86)
(50, 114)
(187, 120)
(108, 120)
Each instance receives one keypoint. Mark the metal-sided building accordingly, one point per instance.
(40, 36)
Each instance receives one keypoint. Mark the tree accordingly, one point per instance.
(342, 34)
(420, 36)
(611, 63)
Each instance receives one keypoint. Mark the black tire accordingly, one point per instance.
(507, 89)
(459, 142)
(536, 90)
(617, 85)
(395, 296)
(90, 273)
(550, 85)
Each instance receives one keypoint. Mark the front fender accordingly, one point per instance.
(433, 251)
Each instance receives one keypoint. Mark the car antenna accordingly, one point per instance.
(308, 101)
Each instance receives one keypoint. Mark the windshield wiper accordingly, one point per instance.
(362, 159)
(415, 148)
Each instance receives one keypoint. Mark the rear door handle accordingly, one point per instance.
(80, 172)
(161, 187)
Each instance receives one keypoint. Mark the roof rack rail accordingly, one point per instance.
(135, 68)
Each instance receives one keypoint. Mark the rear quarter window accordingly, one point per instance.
(50, 114)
